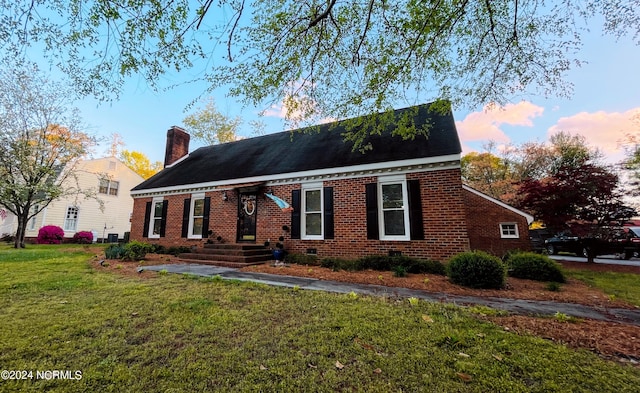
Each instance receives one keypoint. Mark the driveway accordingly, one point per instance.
(604, 259)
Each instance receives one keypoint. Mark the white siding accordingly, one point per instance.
(117, 209)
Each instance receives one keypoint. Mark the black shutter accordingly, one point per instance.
(205, 219)
(185, 217)
(328, 212)
(373, 231)
(415, 210)
(163, 221)
(295, 214)
(147, 219)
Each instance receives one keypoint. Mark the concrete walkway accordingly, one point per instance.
(517, 306)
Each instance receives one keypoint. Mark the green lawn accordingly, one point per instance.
(184, 334)
(625, 286)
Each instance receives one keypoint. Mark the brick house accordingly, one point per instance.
(403, 196)
(494, 226)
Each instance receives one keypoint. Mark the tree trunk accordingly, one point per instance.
(591, 255)
(591, 250)
(20, 233)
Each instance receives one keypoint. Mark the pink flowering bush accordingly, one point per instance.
(83, 237)
(50, 234)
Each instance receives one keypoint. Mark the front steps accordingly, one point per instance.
(235, 255)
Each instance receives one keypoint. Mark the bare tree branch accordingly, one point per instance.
(324, 15)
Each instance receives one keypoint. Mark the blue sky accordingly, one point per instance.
(605, 99)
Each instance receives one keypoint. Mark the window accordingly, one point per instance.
(393, 205)
(32, 221)
(71, 219)
(157, 207)
(312, 211)
(509, 230)
(196, 218)
(108, 187)
(155, 218)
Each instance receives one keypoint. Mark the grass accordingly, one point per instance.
(624, 286)
(183, 333)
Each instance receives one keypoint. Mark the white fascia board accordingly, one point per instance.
(529, 217)
(380, 168)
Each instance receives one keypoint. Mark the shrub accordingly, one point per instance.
(135, 251)
(399, 271)
(379, 262)
(50, 234)
(554, 286)
(83, 237)
(532, 266)
(477, 269)
(342, 264)
(427, 266)
(373, 262)
(114, 251)
(172, 250)
(411, 265)
(302, 259)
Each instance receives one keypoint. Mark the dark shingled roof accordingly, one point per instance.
(288, 152)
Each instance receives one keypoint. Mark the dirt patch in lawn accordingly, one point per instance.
(611, 340)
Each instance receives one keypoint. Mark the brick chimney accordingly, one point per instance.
(177, 145)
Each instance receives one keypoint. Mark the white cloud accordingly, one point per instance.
(604, 130)
(485, 125)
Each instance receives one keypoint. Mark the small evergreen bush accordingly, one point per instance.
(83, 237)
(554, 286)
(379, 262)
(114, 251)
(399, 271)
(411, 265)
(302, 259)
(50, 234)
(477, 269)
(341, 264)
(172, 250)
(532, 266)
(135, 250)
(426, 266)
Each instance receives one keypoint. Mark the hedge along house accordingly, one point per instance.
(312, 190)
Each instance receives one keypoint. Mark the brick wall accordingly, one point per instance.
(177, 145)
(443, 208)
(483, 224)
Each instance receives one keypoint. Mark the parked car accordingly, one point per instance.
(538, 237)
(625, 242)
(565, 243)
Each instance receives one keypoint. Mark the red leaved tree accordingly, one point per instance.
(584, 200)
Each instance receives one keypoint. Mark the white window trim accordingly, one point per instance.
(109, 188)
(155, 200)
(303, 213)
(508, 236)
(75, 220)
(194, 198)
(386, 180)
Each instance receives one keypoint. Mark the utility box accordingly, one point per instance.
(112, 238)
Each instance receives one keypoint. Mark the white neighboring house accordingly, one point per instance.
(112, 180)
(8, 223)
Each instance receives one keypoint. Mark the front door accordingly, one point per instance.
(247, 211)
